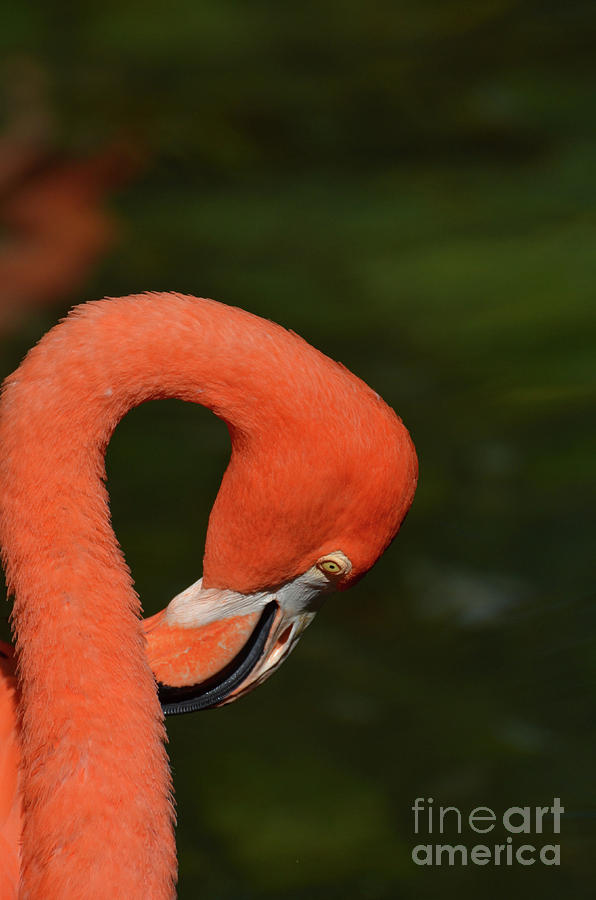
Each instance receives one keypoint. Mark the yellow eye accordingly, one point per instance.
(334, 564)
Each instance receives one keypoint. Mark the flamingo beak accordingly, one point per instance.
(210, 646)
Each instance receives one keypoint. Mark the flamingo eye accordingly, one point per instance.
(331, 566)
(334, 565)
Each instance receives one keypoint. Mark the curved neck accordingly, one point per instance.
(307, 435)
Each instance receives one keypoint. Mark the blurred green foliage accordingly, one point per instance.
(410, 185)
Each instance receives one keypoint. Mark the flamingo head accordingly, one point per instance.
(211, 646)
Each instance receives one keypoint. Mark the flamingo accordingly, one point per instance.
(321, 475)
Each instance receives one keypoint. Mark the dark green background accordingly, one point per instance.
(411, 186)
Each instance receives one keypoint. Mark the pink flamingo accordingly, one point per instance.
(321, 475)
